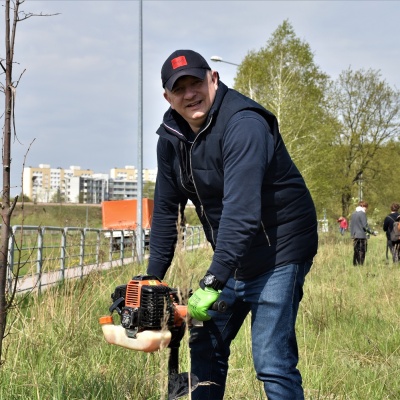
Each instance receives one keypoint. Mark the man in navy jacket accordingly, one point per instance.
(224, 152)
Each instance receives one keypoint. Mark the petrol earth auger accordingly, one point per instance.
(152, 318)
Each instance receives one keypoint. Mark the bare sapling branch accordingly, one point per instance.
(8, 290)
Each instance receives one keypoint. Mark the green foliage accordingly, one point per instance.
(148, 189)
(347, 334)
(283, 77)
(341, 134)
(191, 216)
(22, 197)
(58, 197)
(65, 214)
(380, 180)
(369, 113)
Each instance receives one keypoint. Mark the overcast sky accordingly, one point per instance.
(78, 98)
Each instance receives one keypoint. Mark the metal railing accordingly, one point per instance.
(44, 255)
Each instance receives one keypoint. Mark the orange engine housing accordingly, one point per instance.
(150, 304)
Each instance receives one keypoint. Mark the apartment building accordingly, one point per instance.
(75, 185)
(45, 184)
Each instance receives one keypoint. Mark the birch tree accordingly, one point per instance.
(283, 77)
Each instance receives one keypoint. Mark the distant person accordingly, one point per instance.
(343, 225)
(387, 227)
(396, 243)
(359, 229)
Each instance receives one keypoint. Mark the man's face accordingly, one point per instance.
(192, 98)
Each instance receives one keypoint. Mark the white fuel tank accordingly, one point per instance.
(147, 341)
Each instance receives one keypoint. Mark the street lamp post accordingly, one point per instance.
(220, 59)
(139, 230)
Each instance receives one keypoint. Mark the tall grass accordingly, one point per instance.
(348, 334)
(63, 214)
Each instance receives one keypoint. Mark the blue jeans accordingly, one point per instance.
(273, 300)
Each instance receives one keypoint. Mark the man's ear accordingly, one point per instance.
(215, 79)
(166, 97)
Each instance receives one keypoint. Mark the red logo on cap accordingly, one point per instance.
(178, 62)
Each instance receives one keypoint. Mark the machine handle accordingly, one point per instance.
(116, 306)
(219, 306)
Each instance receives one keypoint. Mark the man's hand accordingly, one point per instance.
(201, 301)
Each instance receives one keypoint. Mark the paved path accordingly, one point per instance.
(31, 282)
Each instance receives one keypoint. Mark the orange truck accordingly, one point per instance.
(120, 217)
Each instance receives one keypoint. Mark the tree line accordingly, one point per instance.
(342, 134)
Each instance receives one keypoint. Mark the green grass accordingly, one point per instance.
(348, 334)
(67, 214)
(63, 214)
(96, 249)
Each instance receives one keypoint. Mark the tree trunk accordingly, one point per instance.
(6, 207)
(346, 198)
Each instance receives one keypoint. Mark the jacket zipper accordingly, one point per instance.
(202, 211)
(266, 234)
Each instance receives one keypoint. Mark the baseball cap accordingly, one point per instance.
(181, 63)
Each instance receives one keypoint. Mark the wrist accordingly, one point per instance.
(210, 281)
(210, 290)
